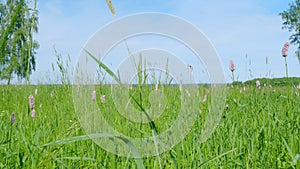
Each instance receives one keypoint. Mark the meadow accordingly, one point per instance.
(259, 128)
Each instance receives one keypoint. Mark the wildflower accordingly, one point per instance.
(258, 84)
(298, 87)
(35, 91)
(245, 88)
(31, 102)
(190, 68)
(232, 68)
(234, 100)
(200, 111)
(12, 118)
(156, 87)
(270, 86)
(241, 91)
(33, 113)
(102, 98)
(285, 49)
(232, 65)
(94, 95)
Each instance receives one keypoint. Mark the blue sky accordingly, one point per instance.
(236, 28)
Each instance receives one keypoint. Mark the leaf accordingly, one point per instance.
(102, 65)
(216, 157)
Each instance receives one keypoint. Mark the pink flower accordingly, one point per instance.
(94, 95)
(33, 113)
(258, 84)
(285, 49)
(12, 118)
(102, 98)
(31, 102)
(232, 65)
(190, 68)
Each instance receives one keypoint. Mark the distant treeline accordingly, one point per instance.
(274, 82)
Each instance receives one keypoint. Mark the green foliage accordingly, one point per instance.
(237, 83)
(63, 68)
(18, 23)
(260, 129)
(292, 81)
(291, 21)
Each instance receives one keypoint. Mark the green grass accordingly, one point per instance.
(260, 129)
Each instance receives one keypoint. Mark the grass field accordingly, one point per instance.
(259, 128)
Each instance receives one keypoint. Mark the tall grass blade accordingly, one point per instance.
(173, 158)
(102, 65)
(152, 126)
(79, 158)
(138, 159)
(216, 157)
(294, 158)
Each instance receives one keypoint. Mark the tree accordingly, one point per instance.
(291, 21)
(17, 47)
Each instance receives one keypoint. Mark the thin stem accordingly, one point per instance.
(232, 76)
(286, 67)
